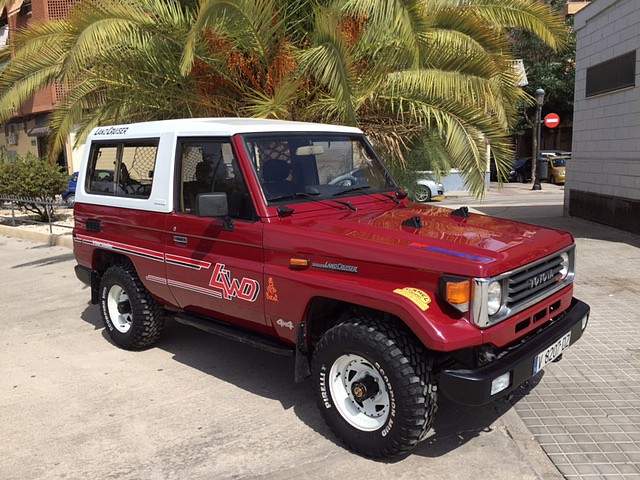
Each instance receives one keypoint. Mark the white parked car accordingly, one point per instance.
(427, 189)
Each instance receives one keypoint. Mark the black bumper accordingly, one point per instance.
(473, 386)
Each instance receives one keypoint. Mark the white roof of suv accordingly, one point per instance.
(212, 126)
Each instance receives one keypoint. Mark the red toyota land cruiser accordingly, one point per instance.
(294, 238)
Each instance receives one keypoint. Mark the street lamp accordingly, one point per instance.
(535, 159)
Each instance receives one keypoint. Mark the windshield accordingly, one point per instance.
(297, 167)
(558, 162)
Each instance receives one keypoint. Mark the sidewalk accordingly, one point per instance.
(585, 410)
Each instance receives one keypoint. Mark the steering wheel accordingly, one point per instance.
(344, 180)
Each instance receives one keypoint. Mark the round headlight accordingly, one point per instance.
(494, 298)
(565, 266)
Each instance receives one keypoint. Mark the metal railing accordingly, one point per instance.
(15, 204)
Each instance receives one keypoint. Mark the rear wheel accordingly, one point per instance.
(71, 200)
(133, 319)
(374, 387)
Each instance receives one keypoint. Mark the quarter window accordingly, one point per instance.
(124, 169)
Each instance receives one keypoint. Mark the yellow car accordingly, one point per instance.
(556, 169)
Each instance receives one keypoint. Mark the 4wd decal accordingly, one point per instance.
(246, 289)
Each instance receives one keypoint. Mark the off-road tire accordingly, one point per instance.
(147, 319)
(407, 370)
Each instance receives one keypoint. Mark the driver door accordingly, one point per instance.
(211, 270)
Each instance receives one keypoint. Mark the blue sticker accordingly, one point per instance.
(453, 253)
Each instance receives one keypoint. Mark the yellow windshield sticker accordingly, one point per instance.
(417, 296)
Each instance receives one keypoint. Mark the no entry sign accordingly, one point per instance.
(552, 120)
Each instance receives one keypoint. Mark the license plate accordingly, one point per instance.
(551, 353)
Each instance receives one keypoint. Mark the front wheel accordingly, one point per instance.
(374, 387)
(423, 194)
(132, 317)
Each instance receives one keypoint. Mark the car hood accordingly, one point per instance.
(476, 246)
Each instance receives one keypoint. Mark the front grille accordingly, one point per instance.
(533, 281)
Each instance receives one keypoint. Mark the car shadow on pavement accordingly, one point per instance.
(47, 261)
(271, 376)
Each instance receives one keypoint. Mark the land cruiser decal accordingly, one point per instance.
(224, 285)
(340, 267)
(112, 131)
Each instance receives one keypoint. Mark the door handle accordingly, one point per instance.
(180, 241)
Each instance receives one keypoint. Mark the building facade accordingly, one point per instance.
(27, 131)
(603, 178)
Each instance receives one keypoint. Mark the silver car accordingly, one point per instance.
(427, 189)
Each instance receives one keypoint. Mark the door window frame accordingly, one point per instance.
(180, 141)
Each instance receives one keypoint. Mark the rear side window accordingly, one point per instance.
(123, 169)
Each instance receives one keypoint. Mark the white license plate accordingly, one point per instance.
(551, 353)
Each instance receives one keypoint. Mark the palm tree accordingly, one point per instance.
(409, 72)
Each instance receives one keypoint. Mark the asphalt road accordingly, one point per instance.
(72, 405)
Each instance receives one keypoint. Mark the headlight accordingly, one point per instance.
(565, 266)
(494, 298)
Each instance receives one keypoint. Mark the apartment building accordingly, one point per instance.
(603, 180)
(27, 131)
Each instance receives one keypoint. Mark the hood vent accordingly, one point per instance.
(462, 212)
(413, 222)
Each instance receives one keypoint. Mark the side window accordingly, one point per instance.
(136, 170)
(124, 169)
(211, 167)
(102, 169)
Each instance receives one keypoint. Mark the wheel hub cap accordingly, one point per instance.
(359, 392)
(119, 308)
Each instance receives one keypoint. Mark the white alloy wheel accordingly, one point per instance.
(423, 194)
(119, 307)
(359, 392)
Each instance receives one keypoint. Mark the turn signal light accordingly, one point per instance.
(299, 263)
(458, 292)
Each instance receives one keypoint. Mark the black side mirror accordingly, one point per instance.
(212, 205)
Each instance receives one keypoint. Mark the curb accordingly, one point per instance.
(541, 464)
(40, 237)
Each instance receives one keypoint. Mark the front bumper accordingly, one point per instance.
(473, 386)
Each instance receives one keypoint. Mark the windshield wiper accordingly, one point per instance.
(352, 189)
(312, 196)
(363, 187)
(294, 195)
(391, 197)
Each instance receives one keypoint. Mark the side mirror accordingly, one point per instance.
(212, 205)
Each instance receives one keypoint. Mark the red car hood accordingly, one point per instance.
(476, 246)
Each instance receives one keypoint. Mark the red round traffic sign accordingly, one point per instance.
(552, 120)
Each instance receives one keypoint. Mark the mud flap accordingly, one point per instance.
(302, 370)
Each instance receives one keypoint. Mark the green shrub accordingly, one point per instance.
(30, 177)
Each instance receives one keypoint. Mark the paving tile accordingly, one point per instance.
(585, 409)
